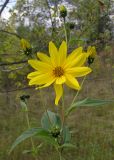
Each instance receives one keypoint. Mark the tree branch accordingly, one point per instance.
(3, 7)
(14, 34)
(14, 90)
(12, 63)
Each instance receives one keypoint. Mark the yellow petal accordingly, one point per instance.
(33, 74)
(41, 66)
(53, 53)
(72, 82)
(63, 52)
(91, 51)
(41, 79)
(59, 92)
(74, 55)
(78, 61)
(79, 71)
(43, 57)
(47, 84)
(25, 44)
(60, 80)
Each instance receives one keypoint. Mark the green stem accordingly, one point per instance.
(59, 152)
(63, 112)
(63, 107)
(60, 156)
(77, 92)
(28, 123)
(65, 31)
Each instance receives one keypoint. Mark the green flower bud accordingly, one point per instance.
(63, 11)
(55, 131)
(24, 97)
(28, 51)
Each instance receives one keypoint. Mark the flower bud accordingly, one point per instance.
(91, 53)
(55, 131)
(25, 45)
(63, 11)
(24, 97)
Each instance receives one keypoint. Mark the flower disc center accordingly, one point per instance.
(58, 71)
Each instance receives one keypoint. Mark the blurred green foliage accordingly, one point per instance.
(38, 22)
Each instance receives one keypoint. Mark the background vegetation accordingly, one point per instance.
(88, 23)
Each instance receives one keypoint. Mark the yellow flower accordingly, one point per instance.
(91, 53)
(25, 44)
(58, 68)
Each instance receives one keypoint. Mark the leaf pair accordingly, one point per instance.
(51, 126)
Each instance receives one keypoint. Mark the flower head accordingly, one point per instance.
(63, 11)
(25, 45)
(91, 53)
(58, 68)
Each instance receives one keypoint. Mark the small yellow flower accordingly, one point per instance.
(58, 68)
(25, 44)
(91, 53)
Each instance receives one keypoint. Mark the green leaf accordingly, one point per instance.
(39, 132)
(88, 103)
(27, 134)
(66, 135)
(33, 151)
(49, 120)
(47, 137)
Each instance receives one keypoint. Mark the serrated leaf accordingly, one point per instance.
(88, 102)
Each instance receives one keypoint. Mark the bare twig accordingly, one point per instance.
(12, 63)
(3, 7)
(11, 33)
(18, 89)
(12, 70)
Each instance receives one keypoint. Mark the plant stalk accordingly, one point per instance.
(65, 31)
(78, 92)
(28, 124)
